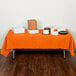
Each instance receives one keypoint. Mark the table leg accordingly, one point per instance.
(13, 54)
(64, 53)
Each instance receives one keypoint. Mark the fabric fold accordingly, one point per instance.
(72, 46)
(5, 51)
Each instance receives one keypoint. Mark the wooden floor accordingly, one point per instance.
(38, 64)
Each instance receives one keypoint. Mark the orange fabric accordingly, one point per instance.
(5, 51)
(37, 41)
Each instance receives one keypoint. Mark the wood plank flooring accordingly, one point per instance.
(38, 63)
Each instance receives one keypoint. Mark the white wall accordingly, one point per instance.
(58, 13)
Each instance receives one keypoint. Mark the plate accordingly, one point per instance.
(63, 32)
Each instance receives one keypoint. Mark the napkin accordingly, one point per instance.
(19, 30)
(33, 31)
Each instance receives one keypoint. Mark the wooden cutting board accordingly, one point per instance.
(32, 24)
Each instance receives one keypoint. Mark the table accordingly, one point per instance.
(37, 41)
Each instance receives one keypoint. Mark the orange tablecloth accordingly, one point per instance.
(37, 41)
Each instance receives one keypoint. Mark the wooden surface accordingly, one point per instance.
(38, 64)
(32, 24)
